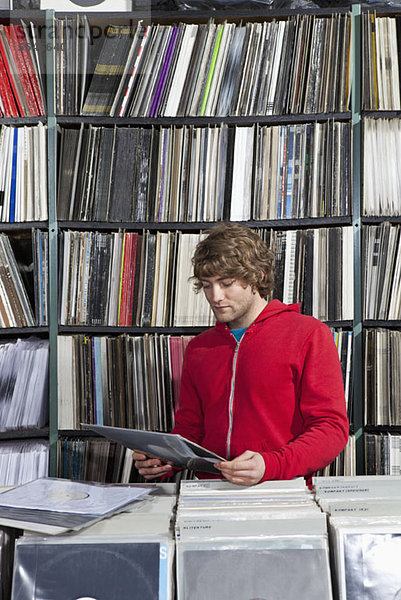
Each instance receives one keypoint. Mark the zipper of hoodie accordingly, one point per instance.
(231, 401)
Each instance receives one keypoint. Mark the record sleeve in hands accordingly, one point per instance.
(171, 447)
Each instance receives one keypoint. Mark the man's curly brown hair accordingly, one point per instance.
(232, 250)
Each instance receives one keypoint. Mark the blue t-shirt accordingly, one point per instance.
(238, 333)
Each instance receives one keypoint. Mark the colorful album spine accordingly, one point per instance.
(8, 75)
(6, 93)
(26, 57)
(21, 70)
(14, 177)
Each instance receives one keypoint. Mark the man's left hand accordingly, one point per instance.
(246, 469)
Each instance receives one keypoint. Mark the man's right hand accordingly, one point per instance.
(150, 468)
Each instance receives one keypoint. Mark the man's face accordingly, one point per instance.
(232, 301)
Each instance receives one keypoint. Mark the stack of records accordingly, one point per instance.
(127, 556)
(53, 506)
(365, 528)
(265, 541)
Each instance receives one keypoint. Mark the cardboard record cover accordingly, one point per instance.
(170, 447)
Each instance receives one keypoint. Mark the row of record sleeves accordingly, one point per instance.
(382, 377)
(23, 173)
(23, 460)
(24, 278)
(79, 458)
(383, 453)
(381, 177)
(122, 381)
(21, 84)
(195, 69)
(143, 278)
(83, 458)
(198, 174)
(215, 539)
(132, 550)
(364, 521)
(312, 266)
(158, 545)
(297, 65)
(15, 305)
(381, 62)
(294, 65)
(165, 181)
(95, 459)
(149, 366)
(90, 365)
(233, 541)
(153, 294)
(166, 173)
(146, 371)
(24, 384)
(155, 273)
(290, 65)
(381, 259)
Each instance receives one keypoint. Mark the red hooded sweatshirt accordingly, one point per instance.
(279, 391)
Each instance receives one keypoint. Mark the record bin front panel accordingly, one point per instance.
(250, 573)
(372, 566)
(99, 571)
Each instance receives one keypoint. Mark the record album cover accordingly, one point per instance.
(101, 571)
(253, 574)
(170, 447)
(372, 566)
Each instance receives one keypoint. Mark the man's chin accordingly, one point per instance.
(221, 318)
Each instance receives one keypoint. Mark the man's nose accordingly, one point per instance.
(217, 293)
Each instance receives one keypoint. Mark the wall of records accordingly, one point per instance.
(121, 141)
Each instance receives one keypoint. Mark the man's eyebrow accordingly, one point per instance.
(207, 279)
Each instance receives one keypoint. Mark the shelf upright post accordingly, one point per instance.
(53, 243)
(357, 375)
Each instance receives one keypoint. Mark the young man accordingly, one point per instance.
(263, 388)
